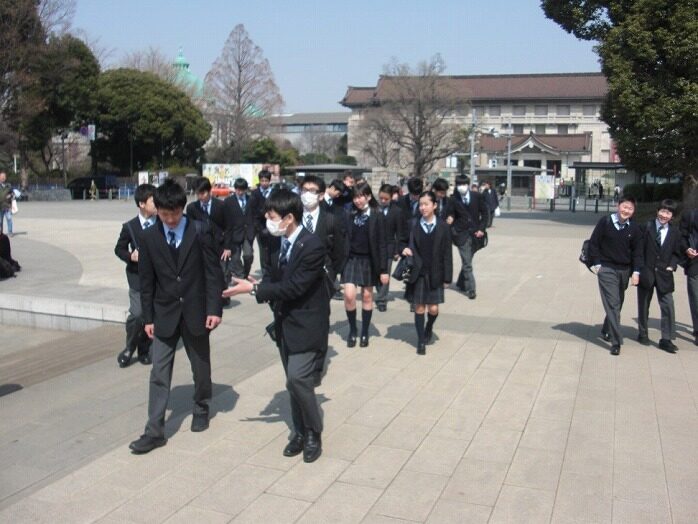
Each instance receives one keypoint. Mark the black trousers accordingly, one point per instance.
(162, 352)
(135, 334)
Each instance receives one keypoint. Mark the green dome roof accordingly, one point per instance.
(185, 76)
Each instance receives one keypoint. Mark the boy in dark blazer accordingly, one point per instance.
(661, 250)
(258, 199)
(181, 286)
(127, 249)
(208, 209)
(300, 296)
(239, 232)
(689, 250)
(468, 219)
(393, 224)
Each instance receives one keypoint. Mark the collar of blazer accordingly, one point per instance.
(296, 248)
(184, 246)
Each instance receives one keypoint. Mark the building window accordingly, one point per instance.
(563, 129)
(495, 110)
(517, 129)
(589, 110)
(539, 129)
(541, 110)
(519, 111)
(563, 110)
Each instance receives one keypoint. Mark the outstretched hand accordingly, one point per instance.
(239, 287)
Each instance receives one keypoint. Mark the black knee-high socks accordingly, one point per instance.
(366, 315)
(430, 322)
(419, 324)
(351, 317)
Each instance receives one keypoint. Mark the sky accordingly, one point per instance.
(318, 48)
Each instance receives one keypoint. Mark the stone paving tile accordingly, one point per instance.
(640, 513)
(272, 508)
(348, 441)
(437, 455)
(194, 515)
(309, 481)
(376, 467)
(341, 503)
(405, 432)
(411, 496)
(525, 505)
(535, 468)
(476, 482)
(454, 512)
(493, 445)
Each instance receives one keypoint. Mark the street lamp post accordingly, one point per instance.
(509, 167)
(472, 147)
(64, 135)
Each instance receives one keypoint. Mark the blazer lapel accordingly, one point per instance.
(185, 245)
(162, 245)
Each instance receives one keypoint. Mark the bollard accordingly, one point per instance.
(574, 205)
(596, 205)
(552, 205)
(84, 194)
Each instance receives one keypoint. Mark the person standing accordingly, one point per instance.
(430, 247)
(615, 250)
(127, 249)
(300, 298)
(491, 201)
(689, 246)
(661, 250)
(468, 220)
(366, 258)
(409, 203)
(181, 296)
(239, 230)
(258, 199)
(6, 198)
(393, 224)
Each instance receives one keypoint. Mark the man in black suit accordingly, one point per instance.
(239, 232)
(209, 210)
(127, 249)
(393, 224)
(689, 247)
(181, 286)
(491, 200)
(300, 296)
(468, 219)
(443, 203)
(334, 196)
(409, 203)
(661, 250)
(257, 200)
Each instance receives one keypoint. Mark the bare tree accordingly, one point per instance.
(152, 60)
(102, 53)
(376, 143)
(418, 108)
(320, 142)
(56, 15)
(241, 93)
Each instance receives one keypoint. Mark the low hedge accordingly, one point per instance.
(654, 192)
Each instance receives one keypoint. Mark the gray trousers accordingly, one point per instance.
(163, 352)
(240, 260)
(666, 308)
(466, 279)
(692, 285)
(135, 334)
(381, 296)
(612, 285)
(299, 369)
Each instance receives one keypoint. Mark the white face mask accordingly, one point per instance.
(462, 189)
(310, 200)
(274, 229)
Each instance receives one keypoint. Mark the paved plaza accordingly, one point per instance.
(516, 414)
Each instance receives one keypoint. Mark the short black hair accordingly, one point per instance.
(462, 180)
(314, 179)
(203, 185)
(430, 194)
(627, 198)
(386, 188)
(363, 189)
(264, 174)
(283, 202)
(415, 186)
(240, 183)
(143, 193)
(338, 185)
(348, 174)
(440, 184)
(170, 195)
(668, 204)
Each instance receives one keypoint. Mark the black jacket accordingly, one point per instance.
(125, 245)
(376, 234)
(441, 271)
(394, 225)
(215, 219)
(491, 199)
(300, 295)
(239, 225)
(330, 229)
(616, 249)
(408, 211)
(689, 238)
(257, 203)
(189, 288)
(656, 260)
(467, 218)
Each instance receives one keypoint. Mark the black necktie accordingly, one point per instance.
(146, 224)
(309, 223)
(658, 238)
(205, 206)
(172, 238)
(429, 227)
(242, 203)
(283, 256)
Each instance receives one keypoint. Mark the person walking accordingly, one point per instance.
(127, 249)
(366, 260)
(258, 200)
(300, 296)
(239, 232)
(430, 246)
(181, 296)
(689, 246)
(661, 250)
(393, 224)
(6, 198)
(615, 250)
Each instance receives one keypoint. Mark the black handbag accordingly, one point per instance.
(479, 243)
(403, 269)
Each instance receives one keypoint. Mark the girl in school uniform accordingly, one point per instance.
(430, 246)
(366, 259)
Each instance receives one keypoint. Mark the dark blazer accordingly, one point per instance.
(239, 225)
(491, 199)
(257, 203)
(215, 220)
(441, 271)
(188, 288)
(330, 229)
(467, 218)
(299, 295)
(376, 234)
(689, 238)
(125, 245)
(394, 225)
(405, 205)
(656, 260)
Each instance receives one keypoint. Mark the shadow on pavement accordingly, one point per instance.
(405, 332)
(279, 410)
(181, 402)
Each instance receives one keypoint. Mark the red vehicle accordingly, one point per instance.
(221, 190)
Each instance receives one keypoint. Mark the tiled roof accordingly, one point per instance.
(563, 143)
(483, 88)
(311, 118)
